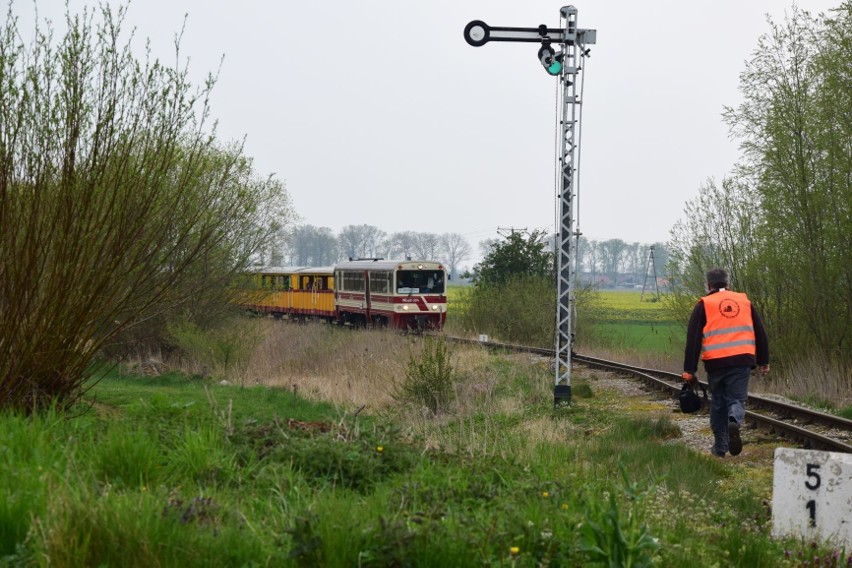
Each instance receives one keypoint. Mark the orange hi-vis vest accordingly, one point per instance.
(729, 330)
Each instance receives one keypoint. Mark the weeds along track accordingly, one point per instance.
(810, 428)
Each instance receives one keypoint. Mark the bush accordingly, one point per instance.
(117, 205)
(429, 377)
(220, 349)
(522, 310)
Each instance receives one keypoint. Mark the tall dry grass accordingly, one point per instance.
(354, 369)
(816, 380)
(349, 368)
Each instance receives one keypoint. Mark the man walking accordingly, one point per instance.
(727, 332)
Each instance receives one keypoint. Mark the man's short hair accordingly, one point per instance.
(717, 278)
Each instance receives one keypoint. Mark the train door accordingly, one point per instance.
(316, 288)
(368, 317)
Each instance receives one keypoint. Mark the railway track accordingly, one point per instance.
(810, 428)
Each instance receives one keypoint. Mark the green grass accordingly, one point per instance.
(622, 320)
(661, 337)
(186, 472)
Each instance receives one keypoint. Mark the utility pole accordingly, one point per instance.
(564, 63)
(511, 231)
(653, 265)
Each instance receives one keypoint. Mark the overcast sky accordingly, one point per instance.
(378, 112)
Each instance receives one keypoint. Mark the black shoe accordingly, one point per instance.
(735, 443)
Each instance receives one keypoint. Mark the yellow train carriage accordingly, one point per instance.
(270, 291)
(313, 292)
(293, 291)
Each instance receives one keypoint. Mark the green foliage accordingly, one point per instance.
(429, 378)
(326, 454)
(582, 389)
(285, 482)
(220, 348)
(521, 310)
(782, 222)
(616, 535)
(118, 208)
(517, 256)
(124, 456)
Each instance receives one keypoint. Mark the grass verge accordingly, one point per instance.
(179, 470)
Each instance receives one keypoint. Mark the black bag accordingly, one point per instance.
(689, 400)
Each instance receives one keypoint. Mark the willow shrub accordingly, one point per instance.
(117, 206)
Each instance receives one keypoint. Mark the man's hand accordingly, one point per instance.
(688, 377)
(763, 369)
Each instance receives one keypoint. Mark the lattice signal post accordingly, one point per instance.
(563, 62)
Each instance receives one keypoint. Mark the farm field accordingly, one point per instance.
(614, 320)
(621, 320)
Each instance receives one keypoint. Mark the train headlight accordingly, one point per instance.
(435, 307)
(405, 307)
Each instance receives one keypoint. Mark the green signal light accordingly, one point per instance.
(555, 68)
(550, 60)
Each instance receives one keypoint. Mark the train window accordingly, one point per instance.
(420, 282)
(353, 281)
(280, 282)
(380, 282)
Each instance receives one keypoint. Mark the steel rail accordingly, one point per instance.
(783, 428)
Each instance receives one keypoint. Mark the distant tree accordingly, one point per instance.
(455, 249)
(518, 254)
(486, 245)
(612, 257)
(313, 246)
(589, 250)
(360, 241)
(427, 246)
(401, 245)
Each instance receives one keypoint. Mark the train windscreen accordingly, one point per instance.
(420, 282)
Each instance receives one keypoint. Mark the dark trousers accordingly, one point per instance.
(729, 391)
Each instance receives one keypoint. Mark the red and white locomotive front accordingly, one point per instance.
(398, 294)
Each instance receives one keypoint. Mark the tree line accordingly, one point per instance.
(781, 221)
(606, 263)
(614, 262)
(308, 245)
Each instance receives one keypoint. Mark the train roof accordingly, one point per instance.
(294, 270)
(361, 264)
(370, 264)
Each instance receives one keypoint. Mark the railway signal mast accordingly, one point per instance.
(561, 61)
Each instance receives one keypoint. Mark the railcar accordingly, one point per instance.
(400, 294)
(295, 292)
